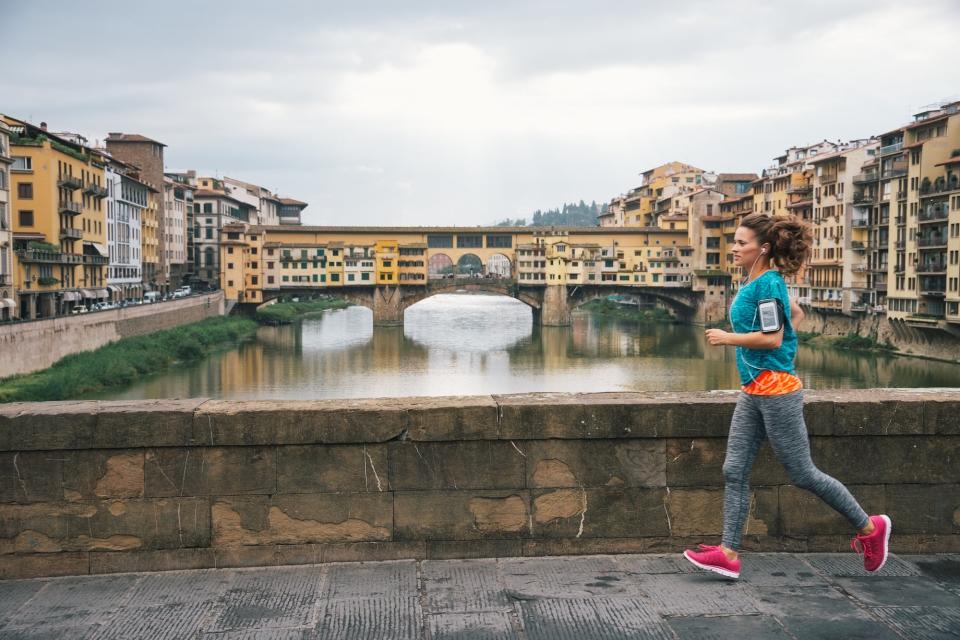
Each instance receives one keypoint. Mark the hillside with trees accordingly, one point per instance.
(578, 214)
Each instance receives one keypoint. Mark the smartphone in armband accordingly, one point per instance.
(771, 315)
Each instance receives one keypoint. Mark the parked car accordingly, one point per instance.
(79, 309)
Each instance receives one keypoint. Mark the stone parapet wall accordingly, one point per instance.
(37, 344)
(97, 487)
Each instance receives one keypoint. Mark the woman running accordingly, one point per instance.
(770, 404)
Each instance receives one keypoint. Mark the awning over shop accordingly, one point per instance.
(8, 303)
(70, 296)
(114, 288)
(102, 293)
(88, 293)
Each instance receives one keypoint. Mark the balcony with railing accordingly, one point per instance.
(895, 172)
(935, 286)
(70, 182)
(866, 176)
(56, 257)
(934, 212)
(941, 184)
(932, 266)
(900, 245)
(70, 207)
(861, 198)
(858, 245)
(933, 240)
(890, 148)
(827, 178)
(96, 260)
(71, 233)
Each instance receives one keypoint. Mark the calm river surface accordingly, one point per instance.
(475, 344)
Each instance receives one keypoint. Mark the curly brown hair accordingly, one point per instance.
(789, 238)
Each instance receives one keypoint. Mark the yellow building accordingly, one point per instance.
(387, 261)
(59, 220)
(643, 206)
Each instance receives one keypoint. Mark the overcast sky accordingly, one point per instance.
(469, 112)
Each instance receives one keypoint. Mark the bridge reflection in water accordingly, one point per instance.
(455, 344)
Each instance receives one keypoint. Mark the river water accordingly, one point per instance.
(457, 344)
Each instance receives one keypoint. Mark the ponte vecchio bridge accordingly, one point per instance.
(551, 269)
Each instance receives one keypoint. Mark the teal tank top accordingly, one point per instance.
(744, 318)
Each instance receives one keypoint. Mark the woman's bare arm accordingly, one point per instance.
(756, 340)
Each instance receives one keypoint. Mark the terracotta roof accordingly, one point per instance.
(950, 161)
(291, 201)
(736, 177)
(131, 137)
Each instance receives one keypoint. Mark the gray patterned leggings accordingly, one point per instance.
(779, 418)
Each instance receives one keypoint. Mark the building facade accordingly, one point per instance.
(177, 207)
(127, 200)
(147, 155)
(8, 303)
(59, 221)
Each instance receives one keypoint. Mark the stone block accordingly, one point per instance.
(451, 418)
(104, 525)
(698, 462)
(461, 515)
(889, 413)
(373, 551)
(599, 512)
(803, 513)
(301, 519)
(451, 549)
(941, 416)
(473, 464)
(204, 471)
(93, 473)
(904, 459)
(924, 508)
(159, 560)
(633, 462)
(44, 565)
(614, 415)
(331, 468)
(32, 426)
(263, 422)
(148, 423)
(31, 476)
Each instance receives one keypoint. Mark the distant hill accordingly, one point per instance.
(578, 214)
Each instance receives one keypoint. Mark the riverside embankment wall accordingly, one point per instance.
(37, 344)
(97, 487)
(907, 340)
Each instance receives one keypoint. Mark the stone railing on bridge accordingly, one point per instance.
(97, 487)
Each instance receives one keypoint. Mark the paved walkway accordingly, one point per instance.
(555, 598)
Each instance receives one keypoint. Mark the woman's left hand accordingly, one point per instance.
(718, 337)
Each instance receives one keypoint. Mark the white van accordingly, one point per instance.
(151, 296)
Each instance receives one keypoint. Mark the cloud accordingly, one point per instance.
(456, 112)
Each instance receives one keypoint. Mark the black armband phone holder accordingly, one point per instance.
(771, 315)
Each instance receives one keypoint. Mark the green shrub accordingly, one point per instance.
(122, 362)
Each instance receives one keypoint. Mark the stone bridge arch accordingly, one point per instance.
(684, 303)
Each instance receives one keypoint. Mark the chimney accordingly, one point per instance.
(43, 125)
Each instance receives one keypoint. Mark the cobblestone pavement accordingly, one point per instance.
(548, 598)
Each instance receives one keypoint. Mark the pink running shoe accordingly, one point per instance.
(714, 559)
(874, 547)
